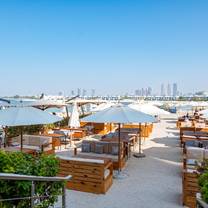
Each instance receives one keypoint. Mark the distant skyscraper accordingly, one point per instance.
(143, 92)
(162, 92)
(136, 93)
(79, 91)
(72, 93)
(175, 90)
(169, 90)
(84, 92)
(149, 91)
(93, 92)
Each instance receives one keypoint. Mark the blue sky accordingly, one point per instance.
(113, 46)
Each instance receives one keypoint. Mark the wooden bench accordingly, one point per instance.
(190, 133)
(88, 174)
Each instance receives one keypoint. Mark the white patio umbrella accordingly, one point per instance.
(25, 116)
(120, 114)
(149, 109)
(102, 106)
(205, 113)
(74, 118)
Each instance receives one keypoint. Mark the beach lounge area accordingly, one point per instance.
(114, 160)
(153, 181)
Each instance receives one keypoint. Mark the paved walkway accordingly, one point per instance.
(152, 182)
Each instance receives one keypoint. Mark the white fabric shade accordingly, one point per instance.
(102, 106)
(149, 109)
(25, 116)
(119, 114)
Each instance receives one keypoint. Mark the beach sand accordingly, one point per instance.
(151, 182)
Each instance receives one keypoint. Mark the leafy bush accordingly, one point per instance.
(203, 179)
(20, 163)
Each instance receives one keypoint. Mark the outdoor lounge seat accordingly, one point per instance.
(104, 149)
(35, 142)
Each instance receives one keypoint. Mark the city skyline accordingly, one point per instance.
(112, 47)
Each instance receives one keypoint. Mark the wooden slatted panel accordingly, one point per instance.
(86, 176)
(190, 188)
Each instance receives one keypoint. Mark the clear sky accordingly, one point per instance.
(112, 46)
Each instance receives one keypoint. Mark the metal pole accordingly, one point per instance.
(140, 154)
(21, 137)
(119, 147)
(140, 138)
(67, 112)
(32, 194)
(63, 196)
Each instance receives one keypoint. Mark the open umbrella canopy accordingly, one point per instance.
(74, 118)
(149, 109)
(25, 116)
(119, 114)
(102, 106)
(205, 113)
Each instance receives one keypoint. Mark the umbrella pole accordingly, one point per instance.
(119, 147)
(21, 137)
(67, 112)
(5, 138)
(140, 154)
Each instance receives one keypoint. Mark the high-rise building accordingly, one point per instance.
(143, 92)
(175, 90)
(149, 91)
(93, 92)
(84, 92)
(136, 93)
(78, 91)
(169, 90)
(72, 93)
(162, 92)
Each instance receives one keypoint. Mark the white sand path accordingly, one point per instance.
(152, 182)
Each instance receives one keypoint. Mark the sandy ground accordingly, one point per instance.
(151, 182)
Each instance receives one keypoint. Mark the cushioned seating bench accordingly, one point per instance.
(37, 143)
(89, 174)
(103, 149)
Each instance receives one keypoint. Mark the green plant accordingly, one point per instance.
(20, 163)
(203, 179)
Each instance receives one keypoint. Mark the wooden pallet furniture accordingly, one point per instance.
(99, 128)
(146, 129)
(94, 175)
(190, 188)
(38, 143)
(108, 148)
(191, 133)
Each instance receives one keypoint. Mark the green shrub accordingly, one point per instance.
(20, 163)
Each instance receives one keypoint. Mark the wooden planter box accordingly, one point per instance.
(190, 188)
(88, 175)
